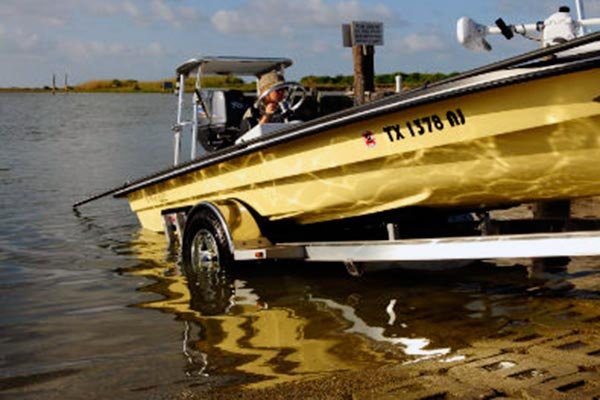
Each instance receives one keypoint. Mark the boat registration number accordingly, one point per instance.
(427, 124)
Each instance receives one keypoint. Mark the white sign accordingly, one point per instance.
(365, 33)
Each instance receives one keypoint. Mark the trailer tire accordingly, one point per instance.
(206, 262)
(205, 245)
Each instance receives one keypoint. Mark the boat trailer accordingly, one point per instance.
(542, 245)
(248, 244)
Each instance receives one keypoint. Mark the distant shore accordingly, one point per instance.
(77, 90)
(338, 83)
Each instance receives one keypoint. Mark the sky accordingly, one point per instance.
(148, 39)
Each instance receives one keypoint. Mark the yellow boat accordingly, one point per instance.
(502, 138)
(522, 130)
(524, 134)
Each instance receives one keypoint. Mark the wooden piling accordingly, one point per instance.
(364, 72)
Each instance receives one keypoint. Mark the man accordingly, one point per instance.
(267, 109)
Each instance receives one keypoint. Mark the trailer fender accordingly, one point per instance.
(240, 225)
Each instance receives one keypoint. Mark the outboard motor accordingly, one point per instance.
(220, 126)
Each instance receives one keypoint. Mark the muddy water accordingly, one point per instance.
(94, 307)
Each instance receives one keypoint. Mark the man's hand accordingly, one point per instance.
(271, 108)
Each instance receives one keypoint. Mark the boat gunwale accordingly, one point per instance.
(442, 90)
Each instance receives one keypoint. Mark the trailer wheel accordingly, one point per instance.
(205, 246)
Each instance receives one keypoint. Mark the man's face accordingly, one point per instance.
(276, 96)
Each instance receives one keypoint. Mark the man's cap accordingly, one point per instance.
(268, 80)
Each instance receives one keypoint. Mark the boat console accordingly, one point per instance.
(217, 113)
(221, 113)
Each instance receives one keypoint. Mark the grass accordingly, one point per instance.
(339, 82)
(167, 85)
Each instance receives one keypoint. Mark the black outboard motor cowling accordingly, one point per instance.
(220, 126)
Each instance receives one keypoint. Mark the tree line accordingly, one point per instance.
(409, 80)
(319, 82)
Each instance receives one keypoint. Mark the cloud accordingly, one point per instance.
(145, 13)
(16, 41)
(321, 47)
(418, 42)
(271, 16)
(543, 8)
(107, 9)
(162, 12)
(189, 13)
(592, 9)
(30, 12)
(131, 10)
(102, 9)
(79, 50)
(153, 50)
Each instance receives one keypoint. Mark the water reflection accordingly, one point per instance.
(269, 338)
(282, 323)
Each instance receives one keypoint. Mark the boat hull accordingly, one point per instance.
(531, 141)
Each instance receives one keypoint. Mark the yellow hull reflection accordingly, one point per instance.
(532, 141)
(274, 343)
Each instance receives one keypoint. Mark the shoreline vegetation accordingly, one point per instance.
(383, 82)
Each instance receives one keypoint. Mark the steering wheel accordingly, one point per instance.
(290, 102)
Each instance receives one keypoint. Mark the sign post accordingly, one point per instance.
(363, 36)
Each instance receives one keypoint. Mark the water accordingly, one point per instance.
(92, 306)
